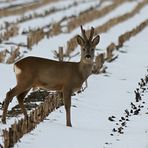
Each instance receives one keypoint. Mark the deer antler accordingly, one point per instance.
(91, 33)
(83, 34)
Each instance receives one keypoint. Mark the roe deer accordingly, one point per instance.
(67, 77)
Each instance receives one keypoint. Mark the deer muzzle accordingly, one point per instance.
(88, 56)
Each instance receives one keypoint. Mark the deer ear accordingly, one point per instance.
(96, 40)
(80, 40)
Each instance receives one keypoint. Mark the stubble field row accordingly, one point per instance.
(54, 27)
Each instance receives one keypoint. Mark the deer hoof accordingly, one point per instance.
(69, 124)
(3, 121)
(26, 116)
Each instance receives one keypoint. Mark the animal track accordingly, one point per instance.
(135, 108)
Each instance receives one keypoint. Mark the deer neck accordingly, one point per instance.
(85, 70)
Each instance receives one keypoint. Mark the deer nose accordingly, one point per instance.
(87, 56)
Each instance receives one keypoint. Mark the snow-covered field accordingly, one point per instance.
(108, 94)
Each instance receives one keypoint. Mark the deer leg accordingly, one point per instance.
(9, 96)
(67, 104)
(20, 99)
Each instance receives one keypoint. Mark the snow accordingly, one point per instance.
(13, 3)
(7, 79)
(91, 127)
(49, 45)
(107, 94)
(106, 39)
(40, 10)
(39, 22)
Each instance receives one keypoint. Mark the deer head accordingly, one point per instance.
(87, 45)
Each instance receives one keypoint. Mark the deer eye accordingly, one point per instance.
(92, 49)
(84, 49)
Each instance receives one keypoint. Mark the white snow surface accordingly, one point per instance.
(6, 4)
(107, 94)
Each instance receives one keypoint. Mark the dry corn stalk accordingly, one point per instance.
(10, 32)
(3, 55)
(14, 55)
